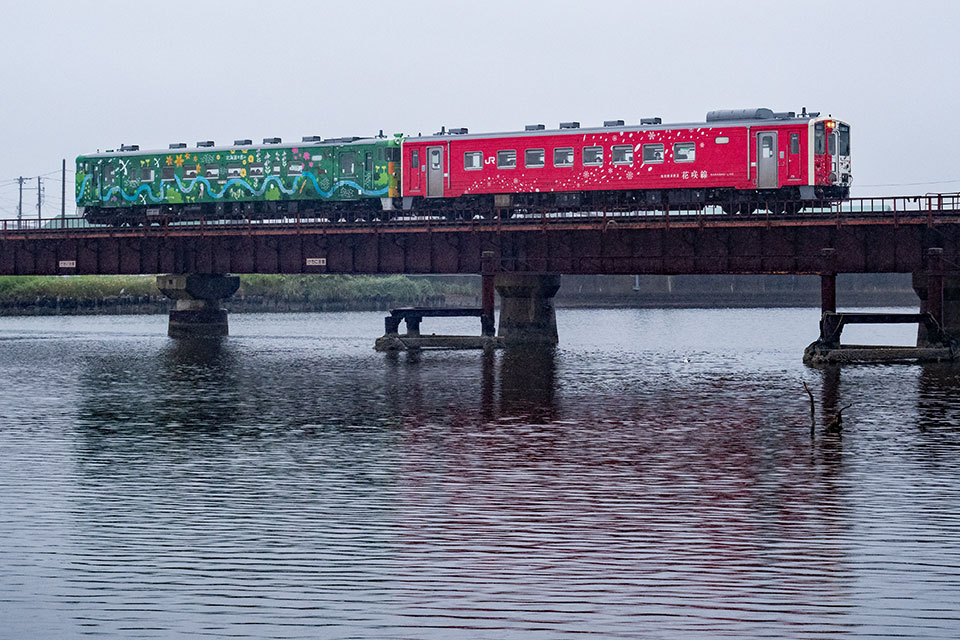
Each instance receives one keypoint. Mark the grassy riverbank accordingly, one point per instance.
(139, 294)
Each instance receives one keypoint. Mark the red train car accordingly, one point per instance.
(739, 159)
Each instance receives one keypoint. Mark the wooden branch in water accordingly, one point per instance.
(813, 409)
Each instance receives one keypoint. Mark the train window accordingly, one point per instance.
(507, 159)
(794, 143)
(563, 157)
(190, 171)
(211, 172)
(623, 154)
(832, 142)
(393, 154)
(146, 174)
(233, 170)
(473, 160)
(766, 146)
(844, 149)
(653, 153)
(721, 139)
(167, 173)
(684, 151)
(592, 156)
(435, 155)
(255, 170)
(534, 158)
(295, 168)
(368, 162)
(379, 154)
(819, 139)
(348, 163)
(108, 173)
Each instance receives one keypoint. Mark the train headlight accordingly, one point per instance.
(832, 178)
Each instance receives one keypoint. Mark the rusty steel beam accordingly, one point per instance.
(731, 246)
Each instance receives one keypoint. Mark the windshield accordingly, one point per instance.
(844, 149)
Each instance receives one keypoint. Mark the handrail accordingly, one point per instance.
(929, 208)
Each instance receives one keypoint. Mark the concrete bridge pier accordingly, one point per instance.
(939, 293)
(527, 314)
(198, 297)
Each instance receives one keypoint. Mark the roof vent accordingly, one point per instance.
(534, 127)
(272, 141)
(461, 131)
(569, 125)
(347, 139)
(311, 139)
(785, 115)
(651, 121)
(613, 123)
(243, 143)
(178, 145)
(205, 143)
(129, 147)
(739, 114)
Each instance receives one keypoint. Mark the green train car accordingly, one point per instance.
(344, 177)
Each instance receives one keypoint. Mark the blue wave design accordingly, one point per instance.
(83, 186)
(104, 197)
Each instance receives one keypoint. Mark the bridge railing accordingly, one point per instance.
(931, 207)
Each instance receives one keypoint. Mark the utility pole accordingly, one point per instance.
(39, 199)
(63, 195)
(20, 204)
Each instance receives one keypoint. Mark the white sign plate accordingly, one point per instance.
(316, 262)
(68, 264)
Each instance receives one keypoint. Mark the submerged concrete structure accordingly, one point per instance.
(198, 297)
(938, 322)
(527, 313)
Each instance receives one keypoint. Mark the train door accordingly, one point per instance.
(793, 157)
(434, 172)
(413, 173)
(767, 160)
(347, 171)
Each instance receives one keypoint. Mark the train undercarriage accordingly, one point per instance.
(788, 200)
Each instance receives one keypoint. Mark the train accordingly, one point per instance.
(738, 160)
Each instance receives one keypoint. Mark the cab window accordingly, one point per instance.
(844, 148)
(819, 139)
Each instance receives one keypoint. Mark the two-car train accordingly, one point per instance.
(737, 159)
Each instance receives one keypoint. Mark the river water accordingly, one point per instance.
(655, 476)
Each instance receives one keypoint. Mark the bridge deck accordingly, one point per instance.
(870, 235)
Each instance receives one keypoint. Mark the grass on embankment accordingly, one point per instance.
(288, 288)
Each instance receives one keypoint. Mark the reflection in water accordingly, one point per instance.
(666, 488)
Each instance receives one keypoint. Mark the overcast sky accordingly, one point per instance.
(82, 76)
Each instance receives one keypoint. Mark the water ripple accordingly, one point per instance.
(289, 482)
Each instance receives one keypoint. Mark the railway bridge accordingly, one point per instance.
(523, 254)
